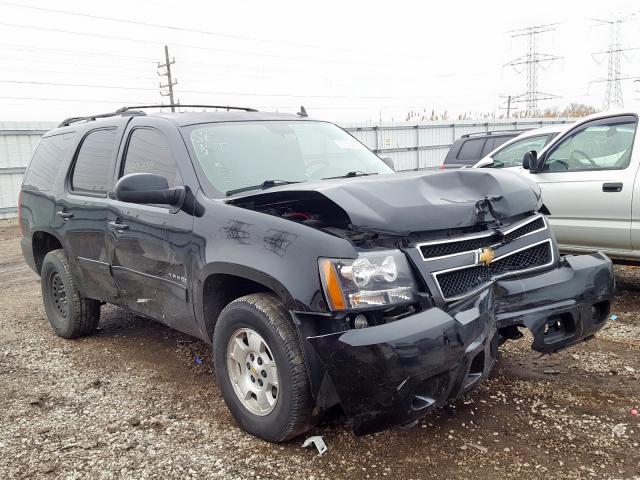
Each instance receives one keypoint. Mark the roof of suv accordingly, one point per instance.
(220, 114)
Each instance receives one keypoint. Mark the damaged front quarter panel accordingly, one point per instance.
(393, 373)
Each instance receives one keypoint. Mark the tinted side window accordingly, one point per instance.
(500, 140)
(149, 152)
(489, 145)
(471, 149)
(93, 168)
(47, 161)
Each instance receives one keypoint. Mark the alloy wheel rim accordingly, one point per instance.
(253, 371)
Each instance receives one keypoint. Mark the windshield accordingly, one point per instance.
(234, 155)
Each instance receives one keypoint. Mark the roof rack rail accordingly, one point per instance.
(68, 121)
(180, 105)
(495, 132)
(136, 110)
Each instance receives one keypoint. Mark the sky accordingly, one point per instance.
(344, 61)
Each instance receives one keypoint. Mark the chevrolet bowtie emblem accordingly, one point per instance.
(486, 256)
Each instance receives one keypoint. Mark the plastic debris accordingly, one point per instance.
(613, 318)
(318, 442)
(198, 361)
(634, 412)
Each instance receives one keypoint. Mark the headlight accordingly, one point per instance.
(374, 279)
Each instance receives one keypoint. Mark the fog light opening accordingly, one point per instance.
(360, 321)
(600, 311)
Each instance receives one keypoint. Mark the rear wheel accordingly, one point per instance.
(70, 314)
(260, 368)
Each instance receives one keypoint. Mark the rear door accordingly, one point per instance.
(83, 210)
(587, 184)
(150, 244)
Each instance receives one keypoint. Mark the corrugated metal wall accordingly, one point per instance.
(410, 145)
(426, 144)
(17, 143)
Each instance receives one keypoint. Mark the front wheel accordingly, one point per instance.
(260, 368)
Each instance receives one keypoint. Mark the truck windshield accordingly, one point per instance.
(234, 155)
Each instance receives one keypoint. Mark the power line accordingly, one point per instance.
(59, 51)
(171, 27)
(613, 93)
(84, 72)
(82, 100)
(249, 94)
(271, 107)
(183, 45)
(532, 61)
(84, 85)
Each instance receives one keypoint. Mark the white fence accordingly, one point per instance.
(410, 145)
(17, 142)
(426, 144)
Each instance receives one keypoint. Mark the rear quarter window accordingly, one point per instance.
(471, 149)
(500, 140)
(47, 161)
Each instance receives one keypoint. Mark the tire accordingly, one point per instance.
(291, 413)
(70, 314)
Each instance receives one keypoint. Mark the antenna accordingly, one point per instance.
(532, 61)
(613, 93)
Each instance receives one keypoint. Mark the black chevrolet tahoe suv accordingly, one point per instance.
(319, 275)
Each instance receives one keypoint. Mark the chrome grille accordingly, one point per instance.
(462, 281)
(446, 247)
(451, 248)
(526, 229)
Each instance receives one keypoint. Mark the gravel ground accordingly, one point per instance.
(133, 402)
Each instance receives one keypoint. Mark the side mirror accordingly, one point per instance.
(148, 188)
(530, 161)
(389, 162)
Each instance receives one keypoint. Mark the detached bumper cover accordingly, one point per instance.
(391, 374)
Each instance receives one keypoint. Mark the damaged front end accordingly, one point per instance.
(445, 267)
(396, 372)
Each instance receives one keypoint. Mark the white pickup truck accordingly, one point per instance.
(590, 187)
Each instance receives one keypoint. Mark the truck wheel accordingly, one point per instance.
(260, 368)
(70, 314)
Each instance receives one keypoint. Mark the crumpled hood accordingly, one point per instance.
(419, 201)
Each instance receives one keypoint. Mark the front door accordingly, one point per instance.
(587, 185)
(151, 244)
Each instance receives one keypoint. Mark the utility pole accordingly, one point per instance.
(613, 93)
(167, 73)
(508, 107)
(532, 61)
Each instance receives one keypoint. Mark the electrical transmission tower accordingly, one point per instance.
(613, 92)
(167, 73)
(531, 62)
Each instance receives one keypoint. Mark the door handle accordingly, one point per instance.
(64, 214)
(117, 226)
(612, 187)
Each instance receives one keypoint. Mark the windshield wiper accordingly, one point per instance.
(355, 173)
(264, 185)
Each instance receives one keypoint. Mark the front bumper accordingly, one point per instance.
(394, 373)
